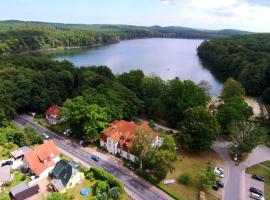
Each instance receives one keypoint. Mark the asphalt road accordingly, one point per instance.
(135, 186)
(235, 182)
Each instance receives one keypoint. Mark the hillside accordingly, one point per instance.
(20, 36)
(245, 58)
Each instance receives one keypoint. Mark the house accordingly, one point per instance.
(23, 191)
(18, 154)
(52, 114)
(65, 175)
(41, 159)
(5, 175)
(117, 138)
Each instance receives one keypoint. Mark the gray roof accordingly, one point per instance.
(21, 151)
(57, 184)
(19, 188)
(5, 175)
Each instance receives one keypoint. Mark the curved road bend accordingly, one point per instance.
(235, 181)
(135, 186)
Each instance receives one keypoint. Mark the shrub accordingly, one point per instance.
(184, 178)
(89, 175)
(100, 174)
(100, 187)
(114, 193)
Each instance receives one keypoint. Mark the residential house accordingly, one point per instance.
(18, 154)
(24, 191)
(118, 137)
(5, 175)
(65, 175)
(52, 114)
(41, 159)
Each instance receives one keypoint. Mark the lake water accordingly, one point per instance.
(167, 58)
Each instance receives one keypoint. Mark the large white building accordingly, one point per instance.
(117, 138)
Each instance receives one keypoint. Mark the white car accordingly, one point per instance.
(67, 132)
(46, 136)
(256, 196)
(219, 171)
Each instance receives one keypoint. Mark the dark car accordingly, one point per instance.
(9, 162)
(220, 184)
(257, 177)
(256, 191)
(95, 158)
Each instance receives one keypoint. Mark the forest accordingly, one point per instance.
(245, 58)
(20, 36)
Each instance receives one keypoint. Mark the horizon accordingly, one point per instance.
(206, 15)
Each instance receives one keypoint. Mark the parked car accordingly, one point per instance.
(84, 143)
(8, 162)
(220, 184)
(215, 187)
(95, 158)
(219, 171)
(256, 191)
(257, 177)
(67, 132)
(256, 196)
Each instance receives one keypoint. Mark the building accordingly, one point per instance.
(117, 138)
(52, 114)
(18, 154)
(65, 175)
(5, 175)
(41, 159)
(23, 191)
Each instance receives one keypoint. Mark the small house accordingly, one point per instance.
(65, 175)
(23, 191)
(52, 114)
(18, 154)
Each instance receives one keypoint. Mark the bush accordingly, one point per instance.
(23, 177)
(89, 175)
(184, 178)
(100, 187)
(102, 175)
(114, 193)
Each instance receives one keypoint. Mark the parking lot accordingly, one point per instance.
(252, 183)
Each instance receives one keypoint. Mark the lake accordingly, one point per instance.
(167, 58)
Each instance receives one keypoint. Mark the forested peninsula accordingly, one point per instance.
(20, 36)
(245, 58)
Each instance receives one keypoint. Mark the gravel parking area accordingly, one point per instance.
(249, 182)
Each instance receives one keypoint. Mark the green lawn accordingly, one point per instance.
(192, 163)
(257, 169)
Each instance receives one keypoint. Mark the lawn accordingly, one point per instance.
(192, 163)
(259, 170)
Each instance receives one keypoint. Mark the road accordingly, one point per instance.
(235, 175)
(135, 186)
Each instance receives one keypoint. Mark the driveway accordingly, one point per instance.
(135, 186)
(235, 186)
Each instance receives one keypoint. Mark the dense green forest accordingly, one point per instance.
(19, 36)
(245, 58)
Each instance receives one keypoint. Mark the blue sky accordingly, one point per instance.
(252, 15)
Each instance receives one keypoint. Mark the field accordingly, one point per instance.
(192, 163)
(259, 170)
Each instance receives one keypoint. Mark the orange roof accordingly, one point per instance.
(40, 157)
(123, 131)
(53, 110)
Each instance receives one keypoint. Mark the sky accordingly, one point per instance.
(250, 15)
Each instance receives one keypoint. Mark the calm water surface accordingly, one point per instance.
(167, 58)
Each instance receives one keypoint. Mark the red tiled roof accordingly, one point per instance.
(53, 110)
(40, 157)
(123, 131)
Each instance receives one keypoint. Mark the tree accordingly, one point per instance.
(100, 187)
(58, 196)
(245, 136)
(233, 109)
(208, 178)
(232, 88)
(198, 129)
(3, 119)
(141, 144)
